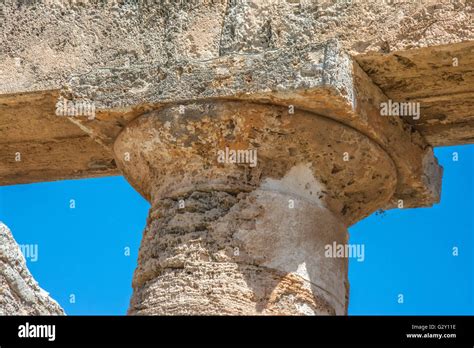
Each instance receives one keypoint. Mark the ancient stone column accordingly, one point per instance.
(247, 202)
(20, 294)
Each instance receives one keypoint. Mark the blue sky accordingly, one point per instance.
(409, 252)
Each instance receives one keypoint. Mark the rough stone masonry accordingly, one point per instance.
(298, 84)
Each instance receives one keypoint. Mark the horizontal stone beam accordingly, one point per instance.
(305, 77)
(440, 78)
(46, 41)
(37, 145)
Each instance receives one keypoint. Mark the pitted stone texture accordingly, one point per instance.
(246, 253)
(171, 152)
(43, 42)
(233, 238)
(440, 79)
(362, 26)
(20, 294)
(319, 78)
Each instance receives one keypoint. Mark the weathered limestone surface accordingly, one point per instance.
(174, 82)
(20, 294)
(54, 39)
(36, 144)
(440, 78)
(239, 253)
(320, 78)
(47, 47)
(204, 210)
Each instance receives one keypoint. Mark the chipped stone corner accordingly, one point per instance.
(432, 177)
